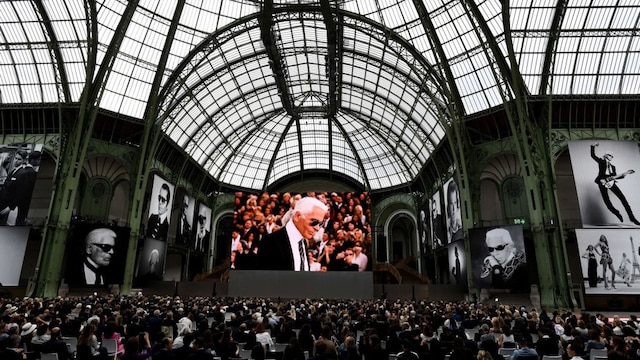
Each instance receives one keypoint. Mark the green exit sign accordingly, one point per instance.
(520, 221)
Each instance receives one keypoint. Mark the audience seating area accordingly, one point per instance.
(164, 327)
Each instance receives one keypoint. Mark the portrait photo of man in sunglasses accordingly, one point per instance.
(99, 249)
(505, 265)
(96, 255)
(158, 224)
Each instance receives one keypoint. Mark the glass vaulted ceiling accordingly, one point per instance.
(256, 91)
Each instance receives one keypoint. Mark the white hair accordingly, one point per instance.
(500, 233)
(99, 233)
(306, 205)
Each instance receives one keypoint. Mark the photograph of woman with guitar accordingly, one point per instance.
(606, 180)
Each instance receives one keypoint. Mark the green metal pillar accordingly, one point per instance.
(73, 153)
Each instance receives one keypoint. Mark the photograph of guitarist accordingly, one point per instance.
(606, 180)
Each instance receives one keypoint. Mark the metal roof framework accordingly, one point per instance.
(255, 91)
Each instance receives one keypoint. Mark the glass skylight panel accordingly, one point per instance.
(109, 14)
(241, 46)
(285, 165)
(243, 128)
(617, 44)
(9, 13)
(587, 63)
(608, 84)
(45, 73)
(215, 161)
(20, 56)
(540, 19)
(631, 84)
(612, 63)
(491, 11)
(10, 94)
(632, 64)
(57, 11)
(132, 107)
(466, 81)
(27, 72)
(533, 84)
(574, 18)
(13, 33)
(348, 166)
(25, 10)
(625, 17)
(563, 64)
(316, 160)
(241, 175)
(584, 84)
(161, 8)
(264, 139)
(591, 44)
(370, 10)
(376, 170)
(29, 93)
(290, 143)
(599, 18)
(494, 97)
(34, 32)
(474, 102)
(561, 84)
(49, 93)
(518, 17)
(392, 14)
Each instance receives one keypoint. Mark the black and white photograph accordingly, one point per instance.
(457, 264)
(606, 182)
(609, 260)
(19, 165)
(202, 228)
(96, 255)
(453, 213)
(436, 222)
(499, 259)
(151, 260)
(424, 228)
(160, 209)
(185, 230)
(13, 244)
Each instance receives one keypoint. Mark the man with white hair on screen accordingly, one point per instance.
(286, 249)
(505, 266)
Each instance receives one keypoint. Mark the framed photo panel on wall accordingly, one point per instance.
(607, 174)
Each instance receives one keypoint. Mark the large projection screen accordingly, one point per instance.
(609, 260)
(606, 177)
(265, 226)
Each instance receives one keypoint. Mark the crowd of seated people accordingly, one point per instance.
(200, 328)
(345, 227)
